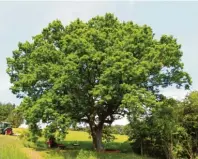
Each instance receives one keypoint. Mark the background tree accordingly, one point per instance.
(118, 129)
(189, 120)
(160, 133)
(15, 117)
(93, 72)
(169, 130)
(10, 113)
(5, 110)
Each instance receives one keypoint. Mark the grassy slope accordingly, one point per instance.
(11, 148)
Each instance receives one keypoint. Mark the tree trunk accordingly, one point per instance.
(96, 133)
(141, 147)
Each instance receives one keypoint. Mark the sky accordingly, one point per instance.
(19, 21)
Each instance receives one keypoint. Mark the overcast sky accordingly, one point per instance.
(19, 21)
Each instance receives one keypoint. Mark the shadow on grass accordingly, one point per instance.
(73, 152)
(87, 145)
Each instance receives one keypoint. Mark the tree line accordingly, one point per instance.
(169, 131)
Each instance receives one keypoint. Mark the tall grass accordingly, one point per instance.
(85, 154)
(10, 148)
(11, 152)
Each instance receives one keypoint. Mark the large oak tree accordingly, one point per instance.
(93, 72)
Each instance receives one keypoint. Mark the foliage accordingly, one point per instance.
(115, 129)
(5, 110)
(189, 118)
(169, 131)
(107, 135)
(15, 117)
(10, 113)
(93, 72)
(118, 129)
(52, 131)
(152, 133)
(28, 137)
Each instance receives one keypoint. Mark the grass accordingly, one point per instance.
(11, 148)
(84, 154)
(84, 136)
(84, 151)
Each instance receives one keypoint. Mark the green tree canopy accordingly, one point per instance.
(93, 72)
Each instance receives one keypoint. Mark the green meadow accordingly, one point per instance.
(40, 150)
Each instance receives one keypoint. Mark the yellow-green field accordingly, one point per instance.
(84, 136)
(78, 135)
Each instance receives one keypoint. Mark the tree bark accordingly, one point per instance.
(141, 147)
(96, 133)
